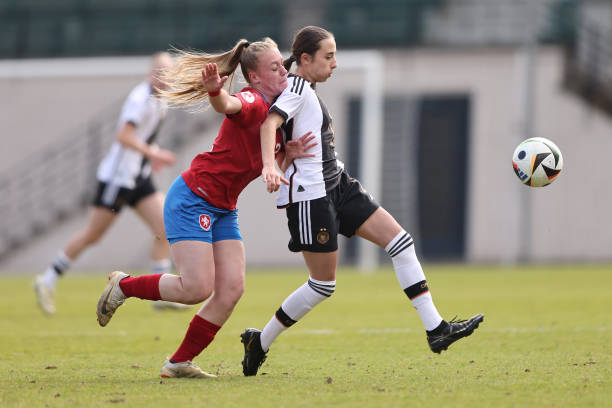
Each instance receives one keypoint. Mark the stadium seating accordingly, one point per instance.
(40, 28)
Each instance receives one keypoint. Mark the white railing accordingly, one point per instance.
(54, 183)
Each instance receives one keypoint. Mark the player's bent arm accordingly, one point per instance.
(270, 175)
(225, 103)
(159, 157)
(219, 99)
(128, 139)
(267, 133)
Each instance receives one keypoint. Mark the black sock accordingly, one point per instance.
(443, 325)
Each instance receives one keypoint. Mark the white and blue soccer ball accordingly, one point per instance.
(537, 162)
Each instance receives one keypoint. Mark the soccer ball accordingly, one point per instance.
(537, 162)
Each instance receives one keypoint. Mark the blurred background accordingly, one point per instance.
(429, 101)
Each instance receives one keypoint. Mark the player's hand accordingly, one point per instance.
(299, 147)
(210, 78)
(161, 158)
(272, 178)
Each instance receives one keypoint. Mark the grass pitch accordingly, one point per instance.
(545, 342)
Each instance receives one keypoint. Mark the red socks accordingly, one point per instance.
(200, 334)
(143, 287)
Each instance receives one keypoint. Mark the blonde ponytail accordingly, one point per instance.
(184, 87)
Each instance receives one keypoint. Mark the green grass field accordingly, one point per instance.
(546, 342)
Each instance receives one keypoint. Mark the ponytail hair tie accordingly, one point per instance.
(247, 44)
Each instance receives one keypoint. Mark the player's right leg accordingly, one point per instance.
(194, 284)
(382, 229)
(98, 222)
(112, 297)
(191, 246)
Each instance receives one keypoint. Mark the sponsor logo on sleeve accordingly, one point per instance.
(248, 96)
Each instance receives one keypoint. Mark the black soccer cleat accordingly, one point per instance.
(455, 330)
(254, 356)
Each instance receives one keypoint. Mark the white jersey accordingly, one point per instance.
(123, 166)
(309, 177)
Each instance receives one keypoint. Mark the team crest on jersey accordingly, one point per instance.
(249, 97)
(205, 222)
(277, 148)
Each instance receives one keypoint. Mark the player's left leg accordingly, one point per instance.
(314, 231)
(382, 229)
(98, 221)
(320, 286)
(228, 288)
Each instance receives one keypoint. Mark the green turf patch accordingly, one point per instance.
(545, 342)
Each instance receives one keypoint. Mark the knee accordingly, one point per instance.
(226, 297)
(324, 288)
(196, 294)
(229, 297)
(236, 293)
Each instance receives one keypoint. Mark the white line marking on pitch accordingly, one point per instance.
(401, 330)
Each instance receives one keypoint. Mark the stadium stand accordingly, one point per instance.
(75, 28)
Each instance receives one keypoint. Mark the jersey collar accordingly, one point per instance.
(299, 76)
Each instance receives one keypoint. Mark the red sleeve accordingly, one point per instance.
(280, 142)
(250, 106)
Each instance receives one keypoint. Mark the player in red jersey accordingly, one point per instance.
(200, 213)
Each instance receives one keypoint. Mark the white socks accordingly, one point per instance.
(58, 267)
(300, 302)
(409, 274)
(412, 279)
(161, 266)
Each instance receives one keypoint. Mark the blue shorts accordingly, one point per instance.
(188, 217)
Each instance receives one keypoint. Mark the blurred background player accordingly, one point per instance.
(124, 177)
(322, 201)
(200, 214)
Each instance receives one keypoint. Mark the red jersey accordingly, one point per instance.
(220, 175)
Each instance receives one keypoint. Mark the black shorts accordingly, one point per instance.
(314, 225)
(114, 197)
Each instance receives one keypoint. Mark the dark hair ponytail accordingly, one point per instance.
(287, 63)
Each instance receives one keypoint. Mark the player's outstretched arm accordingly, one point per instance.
(220, 100)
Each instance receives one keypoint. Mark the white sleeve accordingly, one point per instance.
(134, 108)
(291, 100)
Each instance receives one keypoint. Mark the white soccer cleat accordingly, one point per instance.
(111, 298)
(44, 295)
(160, 305)
(183, 370)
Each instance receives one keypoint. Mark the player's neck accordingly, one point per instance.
(302, 73)
(267, 97)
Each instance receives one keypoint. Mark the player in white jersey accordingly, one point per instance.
(124, 177)
(322, 200)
